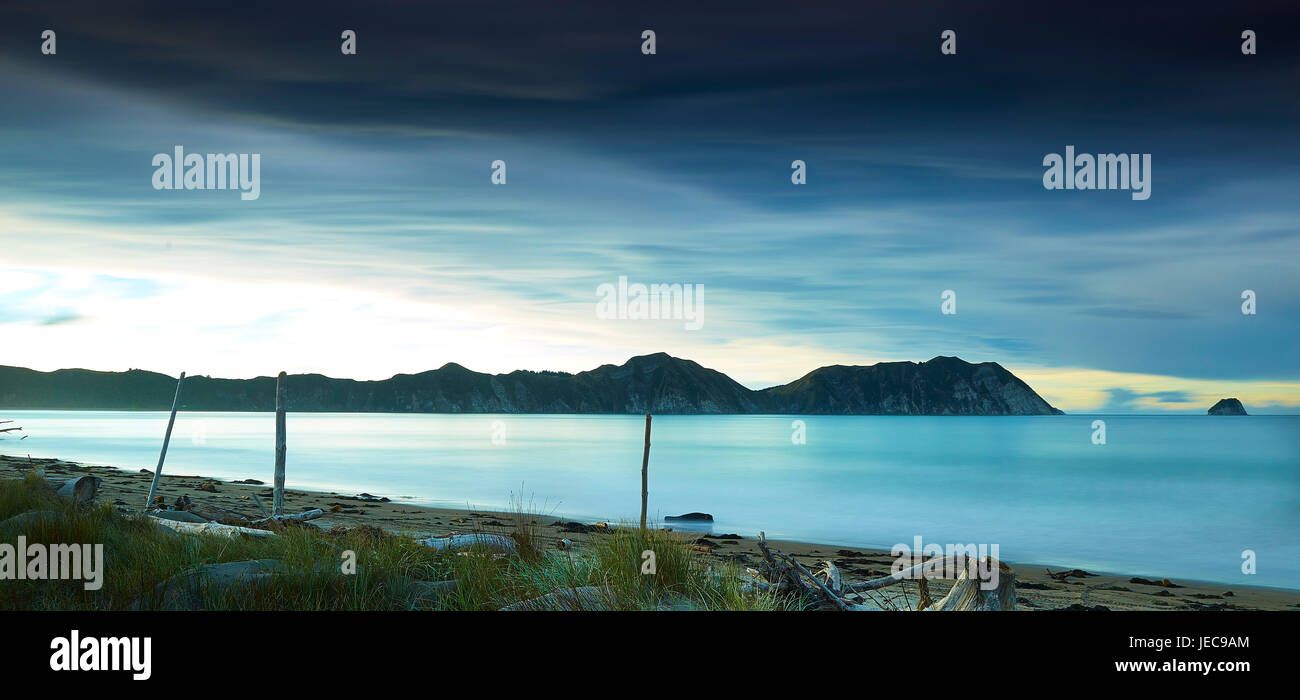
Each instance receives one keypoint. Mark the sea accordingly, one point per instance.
(1199, 497)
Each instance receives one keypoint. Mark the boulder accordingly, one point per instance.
(696, 517)
(23, 523)
(187, 591)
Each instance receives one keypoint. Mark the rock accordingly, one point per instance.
(1228, 407)
(209, 486)
(188, 590)
(694, 517)
(1063, 575)
(254, 482)
(1164, 582)
(24, 522)
(368, 498)
(570, 526)
(1093, 608)
(362, 533)
(584, 598)
(427, 592)
(676, 602)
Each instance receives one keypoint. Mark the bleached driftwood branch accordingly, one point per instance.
(213, 528)
(932, 568)
(826, 592)
(305, 515)
(967, 593)
(454, 542)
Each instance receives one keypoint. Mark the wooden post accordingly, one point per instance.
(167, 438)
(277, 502)
(645, 465)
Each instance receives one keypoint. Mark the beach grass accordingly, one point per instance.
(392, 571)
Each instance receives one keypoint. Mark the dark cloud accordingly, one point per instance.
(924, 170)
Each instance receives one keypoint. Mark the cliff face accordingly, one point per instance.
(1227, 407)
(655, 383)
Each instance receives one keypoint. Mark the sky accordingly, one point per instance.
(379, 243)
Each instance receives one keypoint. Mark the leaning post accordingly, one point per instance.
(167, 438)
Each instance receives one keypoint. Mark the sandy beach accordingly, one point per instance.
(1036, 589)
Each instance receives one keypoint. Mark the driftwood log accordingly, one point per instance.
(498, 543)
(300, 517)
(969, 594)
(785, 574)
(82, 489)
(213, 528)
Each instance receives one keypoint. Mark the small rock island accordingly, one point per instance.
(1228, 407)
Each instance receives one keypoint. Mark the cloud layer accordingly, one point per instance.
(380, 245)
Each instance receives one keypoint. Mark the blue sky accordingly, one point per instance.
(379, 244)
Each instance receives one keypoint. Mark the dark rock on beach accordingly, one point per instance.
(691, 517)
(1164, 582)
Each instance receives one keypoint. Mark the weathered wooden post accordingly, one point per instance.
(645, 465)
(277, 502)
(167, 438)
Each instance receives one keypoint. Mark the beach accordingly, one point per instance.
(1036, 589)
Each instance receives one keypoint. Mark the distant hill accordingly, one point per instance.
(657, 383)
(1227, 407)
(944, 386)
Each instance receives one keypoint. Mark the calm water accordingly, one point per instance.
(1176, 496)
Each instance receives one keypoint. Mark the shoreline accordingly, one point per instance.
(1036, 590)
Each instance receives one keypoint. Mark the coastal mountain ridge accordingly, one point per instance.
(657, 383)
